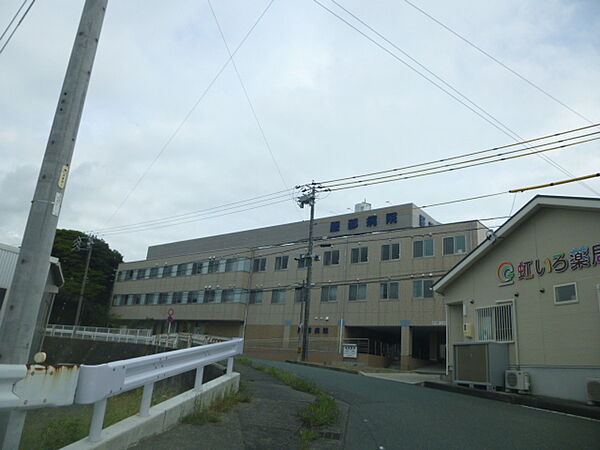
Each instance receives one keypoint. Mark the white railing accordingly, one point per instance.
(133, 336)
(176, 340)
(97, 383)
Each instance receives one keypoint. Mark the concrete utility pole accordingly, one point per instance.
(90, 246)
(24, 299)
(308, 198)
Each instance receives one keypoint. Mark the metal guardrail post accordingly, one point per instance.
(97, 421)
(229, 365)
(146, 400)
(199, 376)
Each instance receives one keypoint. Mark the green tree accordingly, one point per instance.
(103, 264)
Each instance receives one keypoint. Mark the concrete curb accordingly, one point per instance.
(551, 404)
(163, 416)
(323, 366)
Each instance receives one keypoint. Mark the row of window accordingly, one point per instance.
(330, 293)
(389, 252)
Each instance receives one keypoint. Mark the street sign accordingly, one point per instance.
(170, 319)
(350, 351)
(171, 311)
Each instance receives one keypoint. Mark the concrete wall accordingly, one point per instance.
(556, 341)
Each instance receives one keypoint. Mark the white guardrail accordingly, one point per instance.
(29, 387)
(134, 336)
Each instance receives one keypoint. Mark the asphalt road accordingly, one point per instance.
(390, 415)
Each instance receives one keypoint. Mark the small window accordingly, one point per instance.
(302, 261)
(256, 297)
(329, 294)
(423, 248)
(193, 297)
(281, 262)
(357, 292)
(278, 296)
(423, 289)
(317, 330)
(331, 258)
(227, 296)
(231, 264)
(181, 269)
(210, 296)
(154, 272)
(325, 330)
(298, 292)
(177, 297)
(358, 255)
(390, 251)
(213, 266)
(259, 265)
(454, 245)
(389, 291)
(565, 293)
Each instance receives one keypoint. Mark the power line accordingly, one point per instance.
(194, 219)
(494, 122)
(12, 20)
(239, 77)
(496, 60)
(17, 26)
(362, 181)
(464, 155)
(398, 178)
(187, 116)
(214, 209)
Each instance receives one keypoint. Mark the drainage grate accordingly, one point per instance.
(331, 435)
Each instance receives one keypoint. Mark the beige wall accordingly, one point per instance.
(566, 335)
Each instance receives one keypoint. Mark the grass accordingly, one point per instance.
(54, 428)
(323, 411)
(213, 414)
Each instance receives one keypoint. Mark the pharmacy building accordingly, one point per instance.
(371, 286)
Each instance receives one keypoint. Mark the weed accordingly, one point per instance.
(202, 416)
(62, 432)
(323, 411)
(306, 437)
(244, 361)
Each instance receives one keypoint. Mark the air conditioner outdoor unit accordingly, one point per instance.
(592, 388)
(516, 379)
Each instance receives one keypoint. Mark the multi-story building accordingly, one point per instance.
(372, 285)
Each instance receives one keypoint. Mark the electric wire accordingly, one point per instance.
(496, 60)
(213, 209)
(286, 199)
(12, 20)
(189, 113)
(464, 155)
(507, 158)
(17, 26)
(363, 181)
(493, 121)
(242, 84)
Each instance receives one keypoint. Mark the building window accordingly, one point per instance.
(454, 245)
(128, 275)
(152, 299)
(371, 221)
(231, 264)
(154, 272)
(389, 291)
(298, 295)
(197, 268)
(334, 227)
(213, 266)
(331, 258)
(360, 254)
(495, 323)
(302, 261)
(194, 297)
(210, 296)
(423, 289)
(391, 218)
(256, 297)
(163, 298)
(329, 294)
(278, 296)
(325, 330)
(357, 292)
(178, 297)
(259, 265)
(390, 251)
(565, 293)
(181, 269)
(352, 224)
(281, 262)
(422, 248)
(317, 330)
(227, 296)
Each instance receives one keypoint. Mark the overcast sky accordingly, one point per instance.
(331, 104)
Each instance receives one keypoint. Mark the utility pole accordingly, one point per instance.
(90, 246)
(308, 198)
(27, 287)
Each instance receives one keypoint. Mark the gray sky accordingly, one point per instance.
(331, 103)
